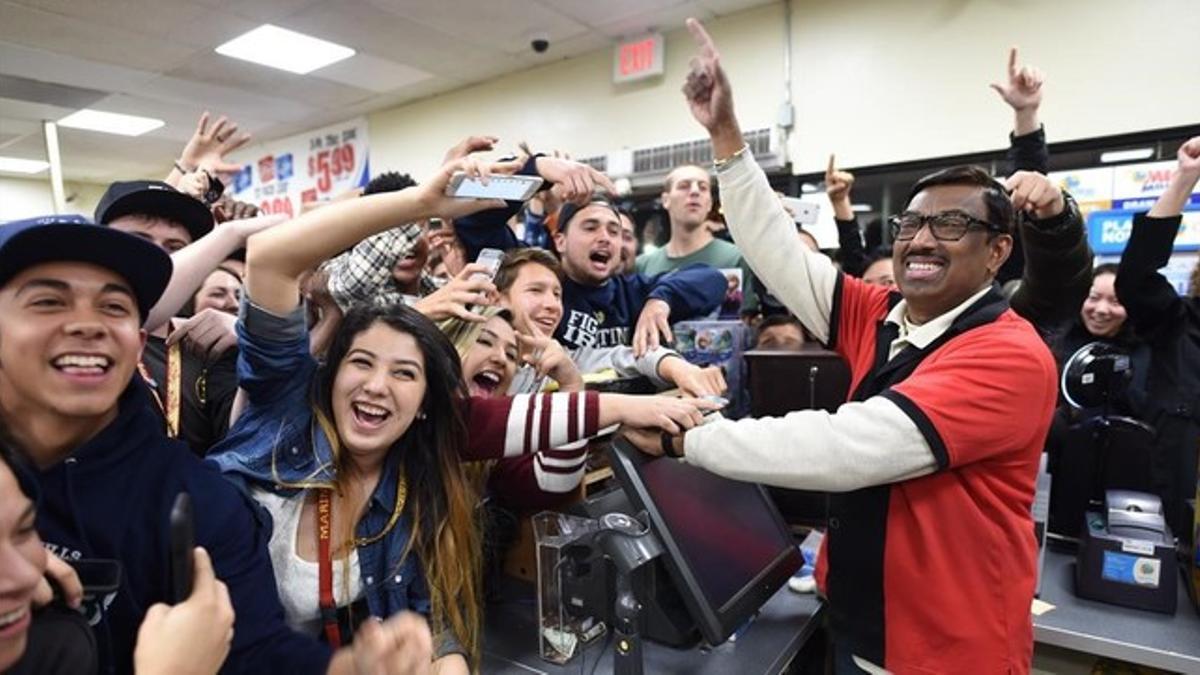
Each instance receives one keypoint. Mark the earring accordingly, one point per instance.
(421, 415)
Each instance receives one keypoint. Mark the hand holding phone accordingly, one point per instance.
(509, 188)
(183, 540)
(491, 259)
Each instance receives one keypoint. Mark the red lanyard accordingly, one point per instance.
(325, 568)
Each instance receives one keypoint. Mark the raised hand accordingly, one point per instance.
(227, 208)
(209, 145)
(1036, 194)
(576, 182)
(837, 186)
(468, 145)
(432, 193)
(1179, 191)
(1023, 88)
(455, 298)
(1189, 157)
(707, 89)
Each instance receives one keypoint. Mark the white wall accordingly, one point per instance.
(880, 81)
(877, 81)
(574, 106)
(26, 198)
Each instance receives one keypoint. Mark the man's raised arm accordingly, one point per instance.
(801, 279)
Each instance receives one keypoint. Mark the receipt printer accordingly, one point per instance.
(1127, 555)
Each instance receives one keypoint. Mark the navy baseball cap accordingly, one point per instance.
(154, 198)
(25, 243)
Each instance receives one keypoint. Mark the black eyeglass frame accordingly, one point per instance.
(935, 228)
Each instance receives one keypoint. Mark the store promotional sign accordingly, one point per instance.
(1108, 231)
(279, 176)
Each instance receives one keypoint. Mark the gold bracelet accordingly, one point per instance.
(720, 164)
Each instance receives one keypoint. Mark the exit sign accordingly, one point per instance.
(638, 59)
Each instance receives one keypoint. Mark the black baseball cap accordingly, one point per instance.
(154, 198)
(25, 243)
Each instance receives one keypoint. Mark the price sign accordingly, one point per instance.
(280, 176)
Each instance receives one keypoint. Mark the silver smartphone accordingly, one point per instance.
(509, 188)
(490, 258)
(803, 212)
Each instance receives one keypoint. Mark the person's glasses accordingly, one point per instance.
(944, 226)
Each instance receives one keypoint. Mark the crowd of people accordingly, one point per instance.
(347, 395)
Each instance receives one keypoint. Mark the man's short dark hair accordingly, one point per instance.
(391, 181)
(777, 320)
(995, 198)
(1105, 268)
(514, 260)
(568, 210)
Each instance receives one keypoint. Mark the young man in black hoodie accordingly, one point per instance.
(73, 298)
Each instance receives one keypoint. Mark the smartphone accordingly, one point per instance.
(510, 188)
(803, 212)
(98, 576)
(490, 258)
(183, 540)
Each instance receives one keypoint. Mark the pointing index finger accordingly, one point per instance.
(701, 36)
(1012, 61)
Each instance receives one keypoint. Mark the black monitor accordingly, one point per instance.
(727, 549)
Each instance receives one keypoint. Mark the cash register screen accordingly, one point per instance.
(728, 550)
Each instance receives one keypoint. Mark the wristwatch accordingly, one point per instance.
(668, 445)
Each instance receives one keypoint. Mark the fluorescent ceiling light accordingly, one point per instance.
(861, 208)
(1126, 155)
(284, 49)
(17, 165)
(110, 123)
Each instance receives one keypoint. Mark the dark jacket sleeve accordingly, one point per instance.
(228, 526)
(489, 229)
(1029, 152)
(691, 291)
(1058, 268)
(851, 250)
(1149, 299)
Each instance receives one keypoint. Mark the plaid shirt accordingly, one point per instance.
(364, 273)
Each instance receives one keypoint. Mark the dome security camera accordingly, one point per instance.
(539, 42)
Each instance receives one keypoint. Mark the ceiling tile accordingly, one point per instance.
(498, 24)
(48, 66)
(148, 17)
(660, 20)
(80, 38)
(594, 13)
(372, 73)
(228, 72)
(372, 29)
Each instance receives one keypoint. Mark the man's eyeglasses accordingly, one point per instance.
(944, 226)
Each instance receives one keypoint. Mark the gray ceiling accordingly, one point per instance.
(155, 58)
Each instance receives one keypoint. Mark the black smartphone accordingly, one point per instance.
(98, 576)
(183, 540)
